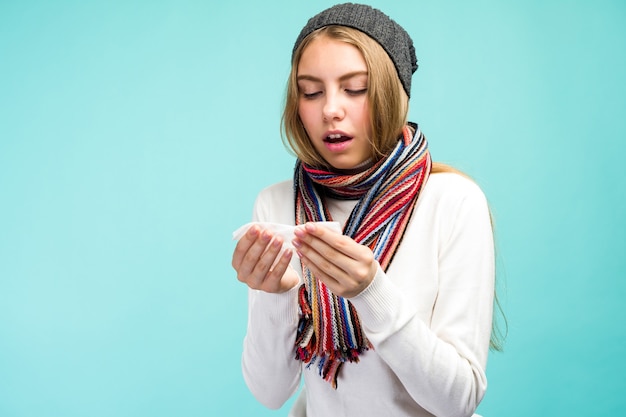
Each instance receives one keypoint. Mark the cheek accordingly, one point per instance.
(306, 112)
(365, 110)
(363, 113)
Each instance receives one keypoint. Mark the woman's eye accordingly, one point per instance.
(311, 95)
(356, 92)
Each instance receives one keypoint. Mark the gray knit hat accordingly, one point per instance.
(380, 27)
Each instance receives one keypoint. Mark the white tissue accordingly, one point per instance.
(283, 230)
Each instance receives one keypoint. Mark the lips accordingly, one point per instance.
(337, 141)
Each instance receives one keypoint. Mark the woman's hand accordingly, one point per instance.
(259, 263)
(346, 267)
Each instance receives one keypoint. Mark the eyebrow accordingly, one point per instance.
(305, 77)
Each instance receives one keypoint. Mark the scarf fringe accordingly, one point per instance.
(329, 362)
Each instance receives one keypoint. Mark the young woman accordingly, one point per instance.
(393, 316)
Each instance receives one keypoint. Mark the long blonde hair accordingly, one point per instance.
(388, 102)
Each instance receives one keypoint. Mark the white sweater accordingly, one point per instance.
(428, 317)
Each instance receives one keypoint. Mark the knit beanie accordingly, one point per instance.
(377, 25)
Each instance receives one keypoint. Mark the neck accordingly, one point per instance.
(363, 166)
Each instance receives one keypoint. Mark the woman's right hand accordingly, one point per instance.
(259, 263)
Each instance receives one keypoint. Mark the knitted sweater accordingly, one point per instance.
(428, 317)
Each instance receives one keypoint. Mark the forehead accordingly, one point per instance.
(327, 55)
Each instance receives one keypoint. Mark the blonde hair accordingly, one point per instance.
(387, 101)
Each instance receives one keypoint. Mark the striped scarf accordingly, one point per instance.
(329, 332)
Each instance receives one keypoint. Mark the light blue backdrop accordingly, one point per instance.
(134, 136)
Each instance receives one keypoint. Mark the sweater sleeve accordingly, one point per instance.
(268, 361)
(441, 363)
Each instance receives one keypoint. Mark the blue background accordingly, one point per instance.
(135, 135)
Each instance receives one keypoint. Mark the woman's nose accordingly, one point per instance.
(333, 108)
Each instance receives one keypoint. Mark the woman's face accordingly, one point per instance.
(332, 104)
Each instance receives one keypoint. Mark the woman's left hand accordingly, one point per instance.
(346, 267)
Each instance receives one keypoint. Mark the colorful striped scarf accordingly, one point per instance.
(329, 331)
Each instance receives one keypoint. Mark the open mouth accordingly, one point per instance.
(336, 138)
